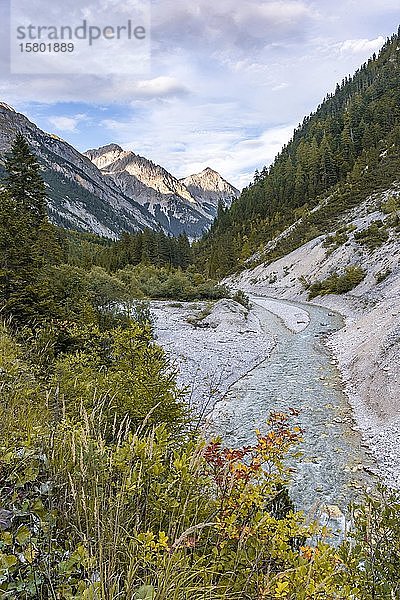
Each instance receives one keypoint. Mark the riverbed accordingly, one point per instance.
(300, 373)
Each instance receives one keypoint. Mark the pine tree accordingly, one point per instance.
(24, 181)
(24, 235)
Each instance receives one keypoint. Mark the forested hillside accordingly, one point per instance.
(347, 149)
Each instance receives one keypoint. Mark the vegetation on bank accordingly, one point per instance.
(337, 283)
(373, 236)
(106, 489)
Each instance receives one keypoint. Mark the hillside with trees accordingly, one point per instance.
(344, 151)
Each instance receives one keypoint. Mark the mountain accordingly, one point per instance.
(109, 190)
(346, 150)
(210, 190)
(80, 196)
(180, 206)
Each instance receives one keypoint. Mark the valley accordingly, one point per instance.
(199, 387)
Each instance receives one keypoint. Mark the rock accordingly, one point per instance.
(333, 511)
(332, 516)
(6, 517)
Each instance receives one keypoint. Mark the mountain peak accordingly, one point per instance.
(210, 189)
(7, 107)
(105, 155)
(105, 149)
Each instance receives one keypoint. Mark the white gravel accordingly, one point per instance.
(214, 353)
(294, 318)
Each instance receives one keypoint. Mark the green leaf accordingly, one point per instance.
(30, 554)
(23, 535)
(7, 561)
(7, 538)
(146, 592)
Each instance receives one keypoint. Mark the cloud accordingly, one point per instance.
(240, 25)
(187, 138)
(159, 87)
(83, 25)
(236, 160)
(69, 124)
(279, 87)
(362, 45)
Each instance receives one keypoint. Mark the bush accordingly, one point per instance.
(372, 554)
(242, 299)
(391, 205)
(170, 284)
(124, 370)
(332, 242)
(373, 236)
(382, 275)
(337, 284)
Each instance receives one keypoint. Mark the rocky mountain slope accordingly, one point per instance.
(108, 191)
(368, 347)
(210, 190)
(180, 206)
(80, 196)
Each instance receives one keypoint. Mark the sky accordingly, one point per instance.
(226, 83)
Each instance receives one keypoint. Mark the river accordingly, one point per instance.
(302, 374)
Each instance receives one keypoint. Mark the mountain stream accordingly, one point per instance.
(302, 374)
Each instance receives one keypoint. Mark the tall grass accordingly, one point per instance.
(95, 507)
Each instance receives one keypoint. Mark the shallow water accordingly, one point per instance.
(301, 374)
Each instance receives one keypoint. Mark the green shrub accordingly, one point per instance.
(332, 242)
(304, 282)
(382, 275)
(242, 298)
(391, 205)
(126, 371)
(337, 284)
(373, 236)
(170, 284)
(372, 554)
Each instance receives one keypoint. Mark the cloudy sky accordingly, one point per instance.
(228, 80)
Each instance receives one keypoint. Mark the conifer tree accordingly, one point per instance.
(24, 182)
(23, 237)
